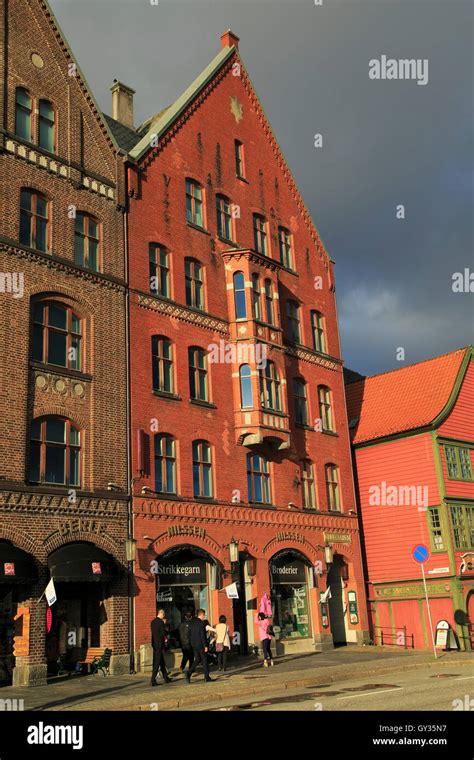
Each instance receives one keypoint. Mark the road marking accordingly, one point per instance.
(368, 694)
(465, 678)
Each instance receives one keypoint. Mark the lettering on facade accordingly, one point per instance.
(338, 538)
(186, 530)
(411, 590)
(82, 524)
(284, 536)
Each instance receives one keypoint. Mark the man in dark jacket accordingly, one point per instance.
(199, 644)
(185, 639)
(158, 633)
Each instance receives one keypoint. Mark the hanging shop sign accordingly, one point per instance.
(352, 604)
(96, 568)
(183, 573)
(337, 538)
(287, 570)
(231, 591)
(164, 595)
(324, 611)
(9, 568)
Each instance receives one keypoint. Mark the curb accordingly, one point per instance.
(288, 684)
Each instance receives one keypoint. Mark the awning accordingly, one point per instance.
(16, 566)
(81, 562)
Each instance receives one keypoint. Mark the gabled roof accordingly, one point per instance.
(404, 399)
(126, 137)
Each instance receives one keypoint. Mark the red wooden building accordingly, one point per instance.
(413, 437)
(240, 445)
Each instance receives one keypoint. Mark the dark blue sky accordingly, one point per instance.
(385, 142)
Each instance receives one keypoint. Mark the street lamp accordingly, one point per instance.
(233, 551)
(328, 554)
(130, 549)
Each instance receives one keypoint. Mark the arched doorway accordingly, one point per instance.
(185, 575)
(289, 583)
(336, 574)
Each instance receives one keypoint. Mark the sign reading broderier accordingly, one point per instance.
(287, 571)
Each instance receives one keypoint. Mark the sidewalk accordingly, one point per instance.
(245, 678)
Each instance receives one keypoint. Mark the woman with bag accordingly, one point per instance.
(222, 642)
(265, 633)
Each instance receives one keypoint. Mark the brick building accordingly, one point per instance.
(413, 436)
(240, 448)
(63, 420)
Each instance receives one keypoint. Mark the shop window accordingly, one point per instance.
(301, 402)
(258, 479)
(256, 305)
(194, 287)
(239, 296)
(269, 302)
(269, 380)
(458, 462)
(246, 394)
(285, 247)
(289, 594)
(34, 220)
(162, 364)
(56, 335)
(239, 159)
(260, 234)
(224, 218)
(293, 332)
(202, 470)
(332, 488)
(23, 114)
(307, 480)
(462, 521)
(194, 203)
(55, 449)
(86, 241)
(159, 270)
(436, 533)
(46, 126)
(165, 463)
(318, 331)
(198, 386)
(325, 408)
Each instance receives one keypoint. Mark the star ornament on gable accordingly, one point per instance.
(236, 108)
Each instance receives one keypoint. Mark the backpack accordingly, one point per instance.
(185, 634)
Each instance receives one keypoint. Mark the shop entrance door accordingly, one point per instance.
(239, 606)
(336, 604)
(7, 613)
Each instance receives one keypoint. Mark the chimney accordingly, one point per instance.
(122, 103)
(229, 39)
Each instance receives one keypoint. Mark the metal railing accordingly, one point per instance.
(389, 637)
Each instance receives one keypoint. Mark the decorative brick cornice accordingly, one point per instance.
(306, 355)
(58, 504)
(52, 262)
(253, 256)
(56, 384)
(182, 313)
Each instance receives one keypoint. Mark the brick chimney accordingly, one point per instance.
(122, 103)
(229, 39)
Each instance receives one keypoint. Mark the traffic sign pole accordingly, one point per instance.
(428, 608)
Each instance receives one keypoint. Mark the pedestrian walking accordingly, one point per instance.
(199, 644)
(222, 642)
(265, 636)
(158, 636)
(185, 641)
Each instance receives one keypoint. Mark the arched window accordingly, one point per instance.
(301, 402)
(56, 335)
(202, 469)
(258, 479)
(246, 395)
(256, 305)
(46, 126)
(55, 450)
(239, 296)
(269, 302)
(270, 396)
(86, 241)
(293, 333)
(162, 364)
(194, 203)
(165, 463)
(284, 244)
(307, 479)
(159, 269)
(23, 114)
(332, 487)
(325, 408)
(260, 234)
(198, 389)
(34, 221)
(224, 217)
(317, 328)
(193, 283)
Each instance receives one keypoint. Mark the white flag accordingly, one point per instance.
(231, 591)
(326, 595)
(50, 593)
